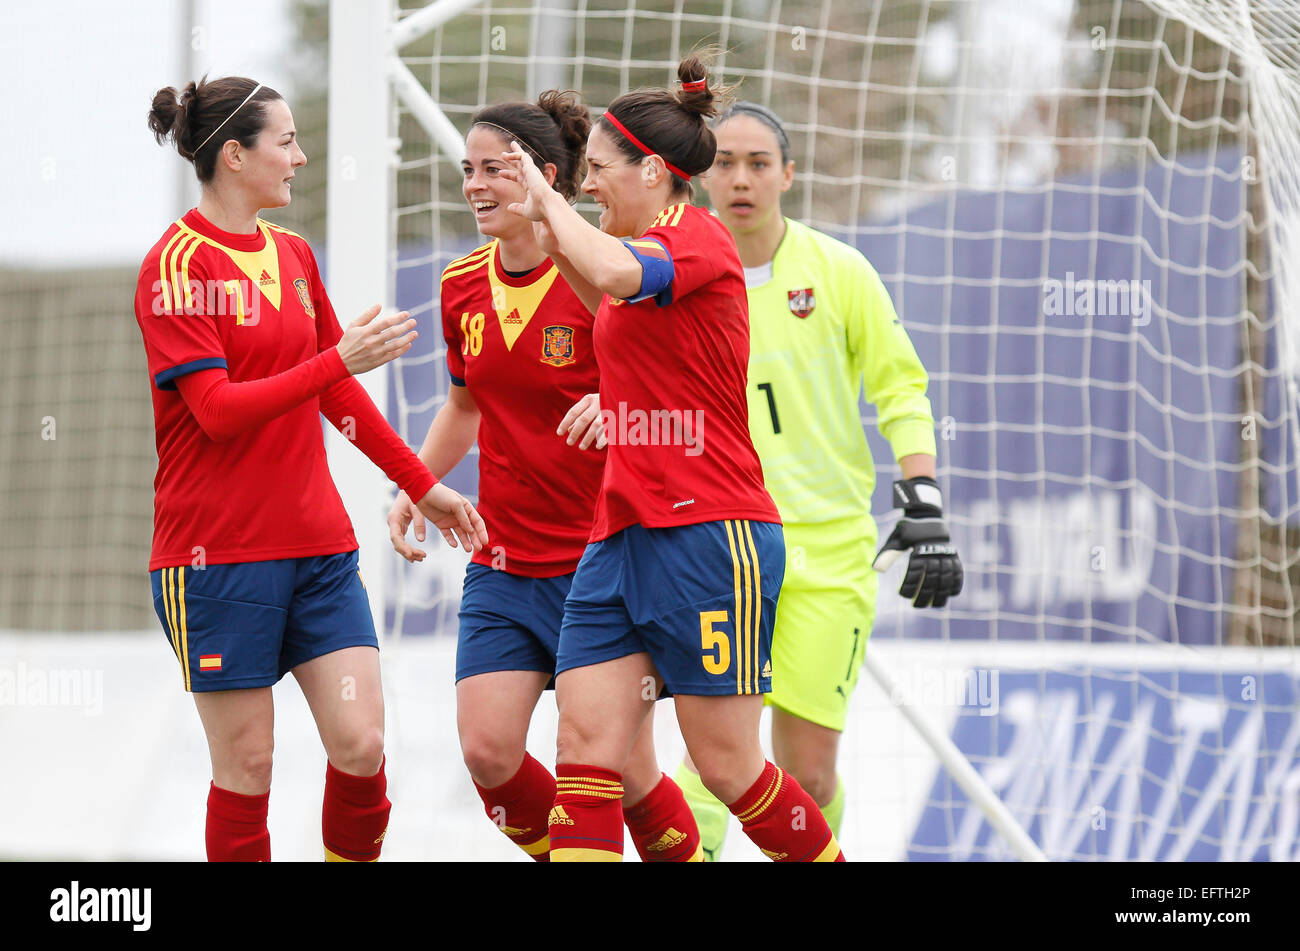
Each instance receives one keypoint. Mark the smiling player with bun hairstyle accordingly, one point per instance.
(679, 581)
(522, 366)
(254, 563)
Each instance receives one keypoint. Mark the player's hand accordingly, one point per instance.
(400, 517)
(546, 239)
(372, 341)
(582, 424)
(452, 514)
(934, 571)
(521, 169)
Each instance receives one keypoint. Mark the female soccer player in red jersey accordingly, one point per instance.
(254, 564)
(520, 356)
(679, 581)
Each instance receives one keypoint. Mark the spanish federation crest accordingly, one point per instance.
(802, 302)
(557, 346)
(304, 295)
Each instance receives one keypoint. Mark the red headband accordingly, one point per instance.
(613, 120)
(696, 85)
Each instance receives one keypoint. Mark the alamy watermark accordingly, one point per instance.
(23, 686)
(1085, 297)
(238, 299)
(656, 427)
(977, 688)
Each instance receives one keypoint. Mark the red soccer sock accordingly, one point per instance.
(783, 820)
(354, 818)
(236, 830)
(663, 827)
(519, 807)
(586, 824)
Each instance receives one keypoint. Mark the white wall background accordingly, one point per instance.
(81, 180)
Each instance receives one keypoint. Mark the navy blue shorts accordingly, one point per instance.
(509, 622)
(699, 599)
(248, 624)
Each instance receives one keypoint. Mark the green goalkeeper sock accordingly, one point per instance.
(710, 814)
(834, 810)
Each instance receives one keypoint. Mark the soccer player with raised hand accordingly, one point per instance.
(822, 329)
(523, 375)
(254, 563)
(678, 584)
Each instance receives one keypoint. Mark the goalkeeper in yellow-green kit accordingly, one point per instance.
(822, 330)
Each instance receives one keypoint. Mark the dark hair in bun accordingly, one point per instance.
(671, 123)
(190, 118)
(553, 130)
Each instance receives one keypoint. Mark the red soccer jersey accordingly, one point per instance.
(254, 305)
(523, 347)
(673, 371)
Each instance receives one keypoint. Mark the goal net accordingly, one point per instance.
(1086, 214)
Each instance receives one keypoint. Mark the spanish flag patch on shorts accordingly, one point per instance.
(209, 662)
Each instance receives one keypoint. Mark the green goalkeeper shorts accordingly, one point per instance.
(823, 619)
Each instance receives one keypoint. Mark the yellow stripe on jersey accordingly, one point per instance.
(470, 262)
(447, 275)
(669, 216)
(178, 291)
(757, 626)
(185, 273)
(164, 277)
(472, 254)
(281, 228)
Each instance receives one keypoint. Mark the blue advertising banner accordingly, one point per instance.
(1128, 765)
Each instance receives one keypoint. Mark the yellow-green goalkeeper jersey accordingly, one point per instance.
(822, 329)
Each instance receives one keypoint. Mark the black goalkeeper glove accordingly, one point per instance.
(934, 570)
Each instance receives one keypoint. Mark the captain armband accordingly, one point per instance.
(656, 271)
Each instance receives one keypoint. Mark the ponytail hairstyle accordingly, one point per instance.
(553, 131)
(206, 115)
(671, 124)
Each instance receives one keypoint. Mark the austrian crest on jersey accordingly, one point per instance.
(802, 302)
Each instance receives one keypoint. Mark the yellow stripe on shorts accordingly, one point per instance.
(758, 604)
(185, 632)
(735, 574)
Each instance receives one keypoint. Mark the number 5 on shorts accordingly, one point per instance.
(715, 644)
